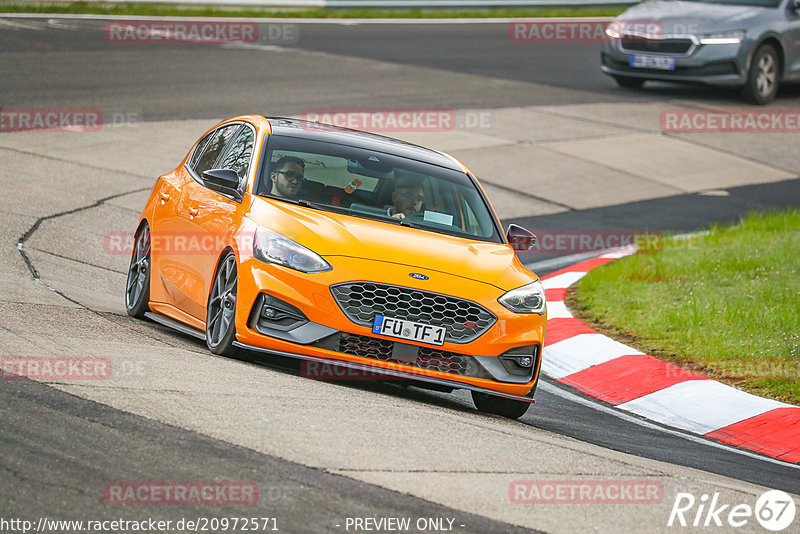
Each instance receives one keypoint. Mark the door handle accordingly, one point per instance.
(164, 196)
(193, 211)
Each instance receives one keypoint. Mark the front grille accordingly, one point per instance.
(659, 46)
(426, 357)
(464, 320)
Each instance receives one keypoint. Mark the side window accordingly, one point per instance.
(199, 150)
(213, 148)
(238, 157)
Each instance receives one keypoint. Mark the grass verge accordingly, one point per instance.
(167, 10)
(725, 305)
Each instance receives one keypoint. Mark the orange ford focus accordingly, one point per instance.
(341, 248)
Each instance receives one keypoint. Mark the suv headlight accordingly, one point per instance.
(614, 30)
(732, 37)
(526, 299)
(272, 247)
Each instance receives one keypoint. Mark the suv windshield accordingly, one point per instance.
(375, 185)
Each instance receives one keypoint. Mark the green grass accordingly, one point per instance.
(167, 10)
(726, 304)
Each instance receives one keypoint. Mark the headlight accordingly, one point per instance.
(272, 247)
(613, 30)
(733, 37)
(526, 299)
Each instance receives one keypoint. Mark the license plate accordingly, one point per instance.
(652, 62)
(393, 327)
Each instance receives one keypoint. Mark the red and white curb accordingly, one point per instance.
(600, 367)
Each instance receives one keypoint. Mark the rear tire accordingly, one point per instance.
(137, 286)
(629, 83)
(513, 409)
(221, 314)
(764, 76)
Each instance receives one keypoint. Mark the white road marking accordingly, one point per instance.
(581, 352)
(557, 310)
(253, 46)
(562, 281)
(700, 406)
(338, 22)
(22, 25)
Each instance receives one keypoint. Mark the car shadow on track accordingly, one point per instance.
(401, 388)
(788, 94)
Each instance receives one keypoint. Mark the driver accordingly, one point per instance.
(407, 197)
(287, 177)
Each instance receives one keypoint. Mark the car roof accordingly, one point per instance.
(356, 138)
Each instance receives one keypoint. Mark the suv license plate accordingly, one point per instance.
(652, 62)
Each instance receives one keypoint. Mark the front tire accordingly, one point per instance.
(221, 314)
(137, 287)
(629, 83)
(763, 77)
(510, 408)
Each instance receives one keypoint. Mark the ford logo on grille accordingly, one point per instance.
(418, 276)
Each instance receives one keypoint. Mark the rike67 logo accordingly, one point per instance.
(774, 510)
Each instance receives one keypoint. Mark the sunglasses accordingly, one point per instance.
(292, 176)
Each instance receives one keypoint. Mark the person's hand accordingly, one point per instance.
(399, 215)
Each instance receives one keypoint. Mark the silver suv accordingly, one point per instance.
(752, 44)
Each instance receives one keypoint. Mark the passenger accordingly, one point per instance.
(407, 197)
(287, 177)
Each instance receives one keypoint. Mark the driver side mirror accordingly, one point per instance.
(224, 181)
(520, 238)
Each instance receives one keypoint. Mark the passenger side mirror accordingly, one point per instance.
(224, 181)
(520, 238)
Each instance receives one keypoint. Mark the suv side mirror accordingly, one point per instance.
(520, 238)
(223, 181)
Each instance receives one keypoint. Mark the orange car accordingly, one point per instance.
(344, 249)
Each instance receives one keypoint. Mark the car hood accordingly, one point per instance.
(677, 17)
(331, 234)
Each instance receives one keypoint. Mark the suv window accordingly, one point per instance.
(213, 148)
(240, 153)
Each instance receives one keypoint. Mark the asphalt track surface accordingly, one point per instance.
(45, 431)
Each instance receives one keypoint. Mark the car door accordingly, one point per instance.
(168, 223)
(186, 254)
(215, 216)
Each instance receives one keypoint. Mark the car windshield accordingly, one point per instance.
(375, 185)
(758, 3)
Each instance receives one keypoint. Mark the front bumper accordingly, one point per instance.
(310, 325)
(721, 65)
(388, 373)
